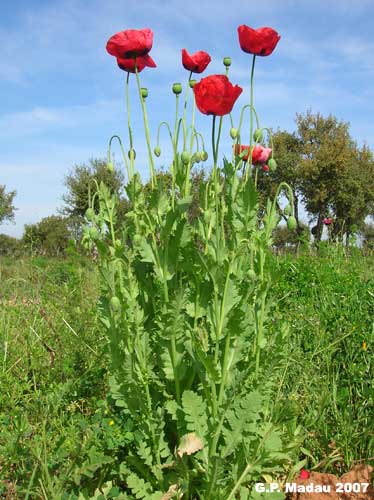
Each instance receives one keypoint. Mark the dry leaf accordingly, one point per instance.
(190, 443)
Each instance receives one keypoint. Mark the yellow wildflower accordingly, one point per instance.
(364, 346)
(111, 422)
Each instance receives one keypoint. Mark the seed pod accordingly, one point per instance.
(115, 304)
(272, 165)
(192, 83)
(177, 88)
(109, 166)
(233, 133)
(227, 61)
(157, 151)
(258, 135)
(204, 156)
(144, 92)
(185, 157)
(90, 214)
(287, 210)
(291, 223)
(132, 154)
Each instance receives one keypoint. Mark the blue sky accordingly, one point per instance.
(62, 95)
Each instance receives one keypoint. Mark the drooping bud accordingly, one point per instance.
(265, 168)
(90, 214)
(227, 61)
(110, 167)
(287, 210)
(204, 156)
(157, 151)
(192, 83)
(177, 88)
(258, 135)
(291, 223)
(185, 157)
(132, 154)
(144, 92)
(115, 304)
(272, 164)
(233, 133)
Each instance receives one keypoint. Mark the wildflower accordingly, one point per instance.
(364, 346)
(196, 62)
(128, 64)
(215, 95)
(111, 423)
(327, 221)
(130, 43)
(260, 42)
(260, 155)
(304, 474)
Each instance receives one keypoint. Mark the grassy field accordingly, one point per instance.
(60, 432)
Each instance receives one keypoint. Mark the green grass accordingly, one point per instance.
(58, 430)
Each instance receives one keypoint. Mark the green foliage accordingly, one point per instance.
(50, 236)
(6, 204)
(9, 245)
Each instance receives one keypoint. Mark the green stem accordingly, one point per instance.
(129, 124)
(249, 160)
(146, 127)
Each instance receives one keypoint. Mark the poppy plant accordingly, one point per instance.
(128, 64)
(304, 474)
(260, 155)
(327, 221)
(196, 62)
(130, 43)
(259, 42)
(216, 95)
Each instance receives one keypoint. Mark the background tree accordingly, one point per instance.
(9, 245)
(50, 236)
(81, 179)
(6, 204)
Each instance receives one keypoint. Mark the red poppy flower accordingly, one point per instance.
(327, 221)
(260, 155)
(260, 42)
(265, 168)
(130, 43)
(304, 474)
(196, 62)
(141, 62)
(215, 95)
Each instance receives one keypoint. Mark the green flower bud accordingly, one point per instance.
(118, 244)
(115, 304)
(132, 154)
(157, 151)
(287, 210)
(204, 156)
(109, 166)
(252, 274)
(233, 133)
(185, 157)
(227, 61)
(192, 83)
(144, 92)
(272, 165)
(93, 232)
(291, 223)
(90, 214)
(177, 88)
(258, 135)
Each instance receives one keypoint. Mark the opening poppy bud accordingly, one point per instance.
(287, 210)
(109, 166)
(90, 214)
(185, 157)
(258, 135)
(204, 156)
(192, 83)
(177, 88)
(272, 164)
(115, 304)
(144, 92)
(132, 154)
(291, 223)
(233, 133)
(265, 168)
(157, 151)
(227, 61)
